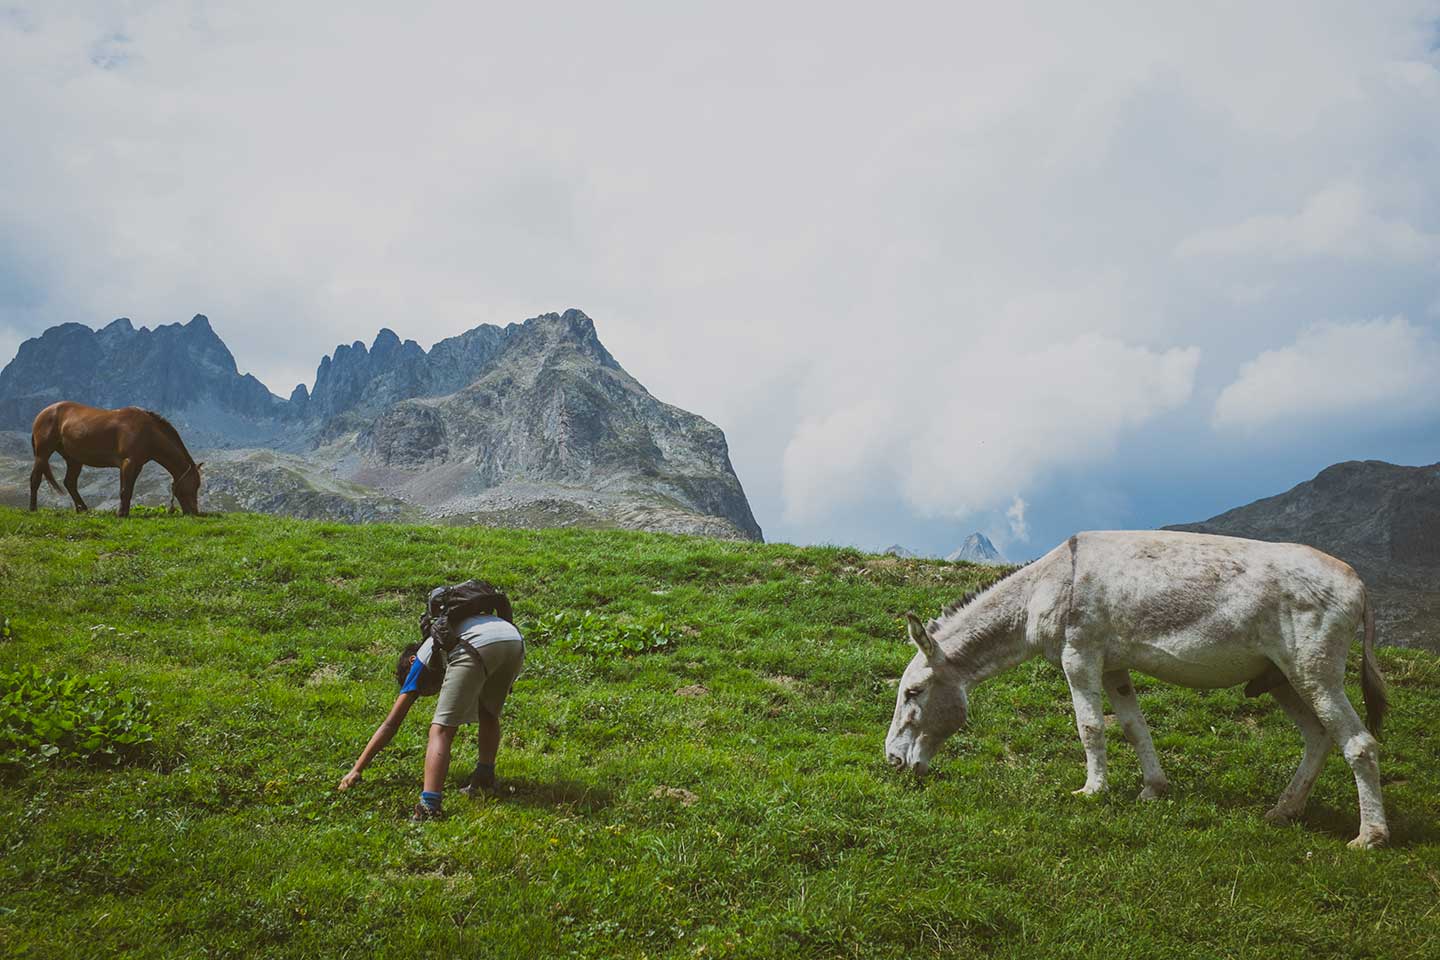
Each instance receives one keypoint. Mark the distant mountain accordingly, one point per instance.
(180, 369)
(549, 418)
(532, 424)
(895, 550)
(1382, 519)
(977, 548)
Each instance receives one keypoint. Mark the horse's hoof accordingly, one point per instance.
(1370, 838)
(1154, 791)
(1087, 791)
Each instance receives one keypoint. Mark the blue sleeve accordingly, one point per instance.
(412, 682)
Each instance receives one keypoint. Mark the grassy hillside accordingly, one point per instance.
(751, 815)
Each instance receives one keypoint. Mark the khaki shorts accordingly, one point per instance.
(473, 685)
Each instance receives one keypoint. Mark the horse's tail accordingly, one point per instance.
(45, 466)
(1372, 685)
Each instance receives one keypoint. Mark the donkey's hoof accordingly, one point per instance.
(1371, 838)
(1154, 791)
(1088, 791)
(1280, 816)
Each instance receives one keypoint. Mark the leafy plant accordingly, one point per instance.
(62, 719)
(7, 630)
(596, 634)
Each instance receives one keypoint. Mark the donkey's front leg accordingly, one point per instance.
(1127, 709)
(1084, 674)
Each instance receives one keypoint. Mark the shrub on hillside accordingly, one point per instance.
(596, 634)
(61, 719)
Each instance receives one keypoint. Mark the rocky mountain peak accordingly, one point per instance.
(176, 368)
(575, 328)
(977, 548)
(386, 341)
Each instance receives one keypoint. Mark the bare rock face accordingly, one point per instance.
(1382, 519)
(533, 424)
(406, 435)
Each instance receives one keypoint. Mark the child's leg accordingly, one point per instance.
(437, 757)
(487, 739)
(487, 736)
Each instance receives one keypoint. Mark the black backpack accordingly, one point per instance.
(448, 607)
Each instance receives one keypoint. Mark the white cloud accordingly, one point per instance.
(1338, 221)
(1019, 529)
(958, 435)
(905, 240)
(1382, 369)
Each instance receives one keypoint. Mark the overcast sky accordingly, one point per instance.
(1021, 268)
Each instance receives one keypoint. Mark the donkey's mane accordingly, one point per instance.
(950, 609)
(168, 428)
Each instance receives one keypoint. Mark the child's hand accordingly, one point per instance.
(349, 780)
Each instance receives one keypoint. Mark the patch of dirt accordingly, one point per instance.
(325, 674)
(685, 797)
(694, 690)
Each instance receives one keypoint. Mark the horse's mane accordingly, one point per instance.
(168, 428)
(950, 609)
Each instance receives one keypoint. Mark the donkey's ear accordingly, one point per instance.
(921, 637)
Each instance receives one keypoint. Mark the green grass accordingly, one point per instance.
(266, 646)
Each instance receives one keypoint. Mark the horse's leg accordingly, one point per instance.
(1127, 710)
(1083, 672)
(1317, 746)
(37, 473)
(72, 483)
(1362, 753)
(129, 473)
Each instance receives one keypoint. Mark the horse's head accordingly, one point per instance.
(187, 489)
(929, 706)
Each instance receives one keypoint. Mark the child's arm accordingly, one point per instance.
(379, 738)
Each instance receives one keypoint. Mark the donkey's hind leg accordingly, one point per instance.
(1362, 753)
(1317, 747)
(1127, 710)
(72, 484)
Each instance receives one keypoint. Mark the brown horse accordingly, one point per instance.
(127, 438)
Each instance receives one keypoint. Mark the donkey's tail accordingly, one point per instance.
(45, 466)
(1372, 685)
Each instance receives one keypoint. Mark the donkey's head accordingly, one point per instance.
(186, 489)
(929, 706)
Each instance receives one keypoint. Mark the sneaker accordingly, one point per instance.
(423, 812)
(478, 784)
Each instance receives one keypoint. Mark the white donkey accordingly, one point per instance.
(1191, 609)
